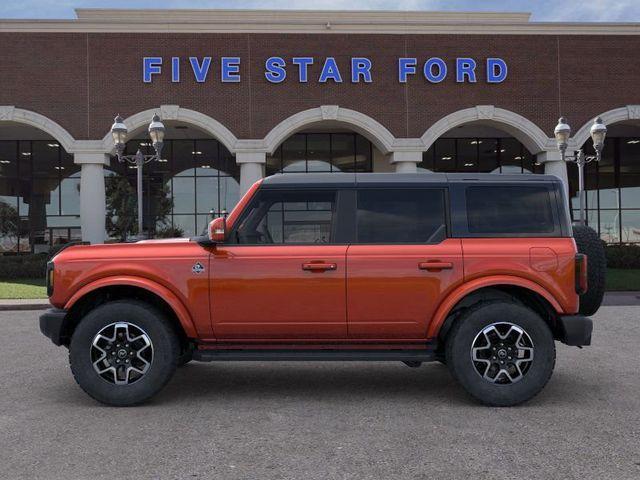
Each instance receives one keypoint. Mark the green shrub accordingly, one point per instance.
(169, 232)
(14, 267)
(623, 256)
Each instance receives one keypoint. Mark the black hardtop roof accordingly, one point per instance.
(399, 179)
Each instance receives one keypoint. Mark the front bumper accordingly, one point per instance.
(575, 330)
(52, 323)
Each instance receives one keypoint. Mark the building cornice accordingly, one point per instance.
(315, 22)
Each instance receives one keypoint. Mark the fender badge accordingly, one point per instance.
(197, 268)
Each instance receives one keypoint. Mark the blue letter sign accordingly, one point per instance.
(151, 66)
(496, 70)
(434, 69)
(200, 71)
(406, 66)
(230, 69)
(428, 70)
(465, 67)
(330, 71)
(360, 67)
(275, 69)
(303, 66)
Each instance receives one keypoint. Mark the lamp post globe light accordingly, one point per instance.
(562, 133)
(156, 133)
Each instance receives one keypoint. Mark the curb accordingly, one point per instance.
(27, 305)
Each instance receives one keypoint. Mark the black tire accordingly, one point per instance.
(165, 352)
(589, 243)
(469, 326)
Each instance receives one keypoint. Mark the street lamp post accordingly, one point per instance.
(562, 133)
(119, 133)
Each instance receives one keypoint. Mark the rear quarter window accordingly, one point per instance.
(508, 210)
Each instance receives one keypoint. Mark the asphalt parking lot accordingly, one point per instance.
(323, 420)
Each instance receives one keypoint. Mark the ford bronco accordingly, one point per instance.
(480, 272)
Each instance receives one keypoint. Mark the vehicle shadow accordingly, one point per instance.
(313, 381)
(348, 382)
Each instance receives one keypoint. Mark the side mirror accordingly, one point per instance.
(218, 230)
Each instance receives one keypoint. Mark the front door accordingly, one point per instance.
(402, 264)
(281, 276)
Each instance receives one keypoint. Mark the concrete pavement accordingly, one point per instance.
(323, 420)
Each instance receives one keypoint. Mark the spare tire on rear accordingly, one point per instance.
(588, 242)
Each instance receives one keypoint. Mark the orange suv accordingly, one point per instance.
(480, 272)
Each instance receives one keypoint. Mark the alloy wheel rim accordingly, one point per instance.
(502, 353)
(121, 353)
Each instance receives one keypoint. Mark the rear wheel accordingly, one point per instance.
(502, 353)
(122, 353)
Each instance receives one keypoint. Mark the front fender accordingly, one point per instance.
(163, 292)
(465, 289)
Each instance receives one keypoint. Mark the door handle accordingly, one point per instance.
(435, 266)
(319, 267)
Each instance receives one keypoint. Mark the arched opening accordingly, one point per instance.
(479, 147)
(328, 139)
(39, 190)
(196, 179)
(612, 185)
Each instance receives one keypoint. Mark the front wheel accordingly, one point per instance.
(502, 353)
(123, 352)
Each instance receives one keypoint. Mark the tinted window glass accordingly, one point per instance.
(515, 209)
(288, 217)
(401, 216)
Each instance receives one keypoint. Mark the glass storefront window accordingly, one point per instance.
(322, 152)
(630, 223)
(199, 177)
(487, 155)
(39, 195)
(613, 190)
(445, 155)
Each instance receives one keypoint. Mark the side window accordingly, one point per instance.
(288, 217)
(401, 215)
(509, 210)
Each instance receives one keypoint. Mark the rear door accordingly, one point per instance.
(402, 263)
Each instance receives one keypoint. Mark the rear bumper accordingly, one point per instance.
(575, 330)
(51, 323)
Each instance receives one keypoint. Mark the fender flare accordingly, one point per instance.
(467, 288)
(167, 295)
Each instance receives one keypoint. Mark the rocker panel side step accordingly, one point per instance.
(417, 355)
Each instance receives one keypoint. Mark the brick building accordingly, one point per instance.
(251, 93)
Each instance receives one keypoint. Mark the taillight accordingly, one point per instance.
(581, 274)
(50, 278)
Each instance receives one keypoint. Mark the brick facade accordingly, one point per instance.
(80, 80)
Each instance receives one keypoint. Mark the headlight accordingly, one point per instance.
(50, 278)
